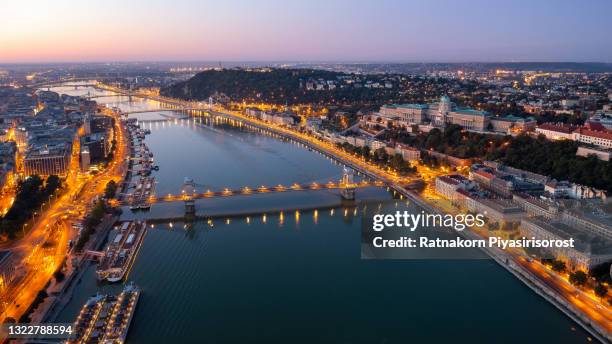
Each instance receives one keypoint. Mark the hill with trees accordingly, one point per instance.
(282, 86)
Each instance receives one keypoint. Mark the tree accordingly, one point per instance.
(601, 290)
(601, 272)
(52, 183)
(578, 278)
(31, 193)
(558, 266)
(110, 190)
(397, 162)
(365, 151)
(381, 155)
(59, 276)
(90, 223)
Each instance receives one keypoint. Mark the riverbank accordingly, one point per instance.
(79, 266)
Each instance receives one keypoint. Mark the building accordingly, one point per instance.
(48, 161)
(439, 114)
(449, 185)
(558, 189)
(408, 153)
(592, 221)
(604, 118)
(407, 114)
(505, 181)
(536, 206)
(510, 124)
(462, 191)
(601, 154)
(88, 106)
(519, 174)
(495, 209)
(533, 108)
(8, 163)
(253, 112)
(592, 133)
(280, 118)
(589, 250)
(85, 159)
(98, 146)
(375, 145)
(87, 124)
(565, 189)
(556, 131)
(7, 270)
(601, 138)
(100, 123)
(21, 138)
(569, 103)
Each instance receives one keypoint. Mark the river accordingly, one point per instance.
(297, 277)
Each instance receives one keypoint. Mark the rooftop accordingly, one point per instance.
(407, 106)
(454, 179)
(558, 127)
(472, 111)
(606, 135)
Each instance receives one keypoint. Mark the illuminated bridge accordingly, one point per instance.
(177, 109)
(263, 189)
(257, 190)
(188, 193)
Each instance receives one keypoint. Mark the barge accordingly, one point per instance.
(106, 318)
(121, 252)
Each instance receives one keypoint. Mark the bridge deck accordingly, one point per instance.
(260, 190)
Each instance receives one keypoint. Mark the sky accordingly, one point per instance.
(305, 30)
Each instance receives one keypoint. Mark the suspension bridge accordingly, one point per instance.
(189, 192)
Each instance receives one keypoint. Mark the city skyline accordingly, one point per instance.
(389, 31)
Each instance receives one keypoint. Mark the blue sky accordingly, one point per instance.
(313, 30)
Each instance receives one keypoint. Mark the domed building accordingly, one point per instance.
(437, 114)
(444, 105)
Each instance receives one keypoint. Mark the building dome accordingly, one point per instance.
(445, 99)
(445, 105)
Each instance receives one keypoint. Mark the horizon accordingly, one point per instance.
(35, 63)
(335, 31)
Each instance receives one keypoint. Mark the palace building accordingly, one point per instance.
(437, 114)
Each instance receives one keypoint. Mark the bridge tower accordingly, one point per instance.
(187, 192)
(348, 186)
